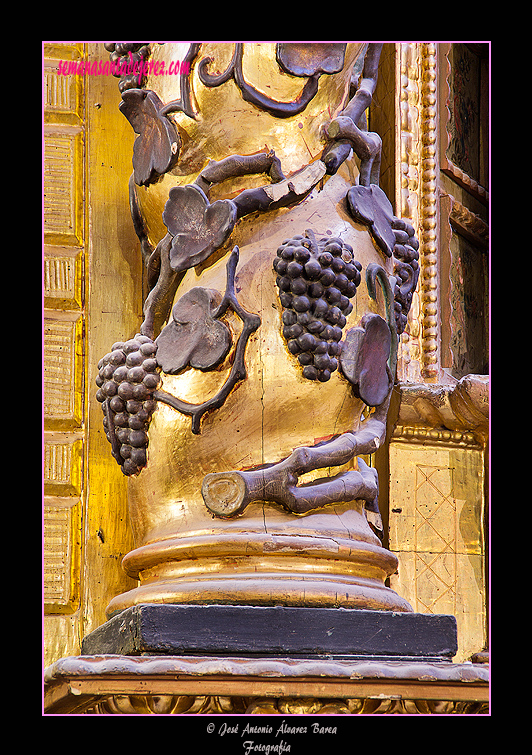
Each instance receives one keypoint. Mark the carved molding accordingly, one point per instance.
(212, 704)
(450, 414)
(422, 435)
(468, 224)
(407, 190)
(64, 343)
(429, 215)
(174, 684)
(417, 200)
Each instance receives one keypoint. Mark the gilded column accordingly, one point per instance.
(265, 484)
(263, 369)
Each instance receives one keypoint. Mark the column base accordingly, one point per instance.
(267, 631)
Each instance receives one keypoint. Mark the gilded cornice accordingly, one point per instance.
(451, 414)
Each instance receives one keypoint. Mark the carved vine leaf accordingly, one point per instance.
(156, 148)
(193, 337)
(199, 307)
(371, 206)
(309, 59)
(364, 358)
(394, 237)
(198, 227)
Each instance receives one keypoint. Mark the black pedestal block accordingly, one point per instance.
(160, 629)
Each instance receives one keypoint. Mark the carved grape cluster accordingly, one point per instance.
(127, 379)
(406, 270)
(126, 53)
(316, 280)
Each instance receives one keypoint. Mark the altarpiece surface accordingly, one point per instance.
(265, 379)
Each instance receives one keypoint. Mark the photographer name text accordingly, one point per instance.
(250, 746)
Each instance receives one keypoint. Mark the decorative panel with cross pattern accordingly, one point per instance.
(436, 529)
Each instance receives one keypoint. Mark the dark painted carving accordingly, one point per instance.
(278, 482)
(377, 274)
(369, 367)
(250, 94)
(156, 148)
(371, 206)
(240, 165)
(129, 375)
(364, 359)
(198, 228)
(348, 130)
(127, 378)
(394, 236)
(127, 55)
(406, 270)
(184, 103)
(311, 59)
(316, 280)
(194, 336)
(213, 355)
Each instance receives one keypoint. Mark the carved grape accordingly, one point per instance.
(127, 379)
(316, 280)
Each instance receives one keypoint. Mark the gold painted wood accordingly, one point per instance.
(93, 297)
(437, 531)
(252, 686)
(89, 263)
(114, 280)
(437, 508)
(328, 557)
(64, 351)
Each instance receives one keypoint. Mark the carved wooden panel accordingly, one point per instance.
(62, 95)
(437, 529)
(464, 289)
(62, 373)
(464, 103)
(61, 555)
(416, 200)
(63, 336)
(62, 466)
(62, 277)
(62, 185)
